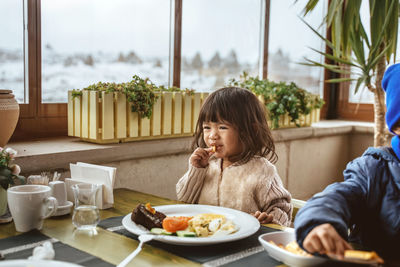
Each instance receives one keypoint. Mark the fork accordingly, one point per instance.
(143, 239)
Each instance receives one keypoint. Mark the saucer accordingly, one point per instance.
(6, 217)
(64, 209)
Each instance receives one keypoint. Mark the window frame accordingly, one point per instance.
(39, 119)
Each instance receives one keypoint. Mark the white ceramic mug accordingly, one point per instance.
(29, 205)
(59, 191)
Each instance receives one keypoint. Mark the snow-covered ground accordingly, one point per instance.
(61, 73)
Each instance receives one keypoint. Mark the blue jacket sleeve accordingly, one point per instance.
(337, 203)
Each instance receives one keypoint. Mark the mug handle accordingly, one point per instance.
(51, 206)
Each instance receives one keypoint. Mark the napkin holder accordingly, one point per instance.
(100, 197)
(103, 176)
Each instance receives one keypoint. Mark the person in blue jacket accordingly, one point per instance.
(364, 209)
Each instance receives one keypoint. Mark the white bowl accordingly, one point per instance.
(283, 255)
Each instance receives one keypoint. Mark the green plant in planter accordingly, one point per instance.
(162, 88)
(280, 98)
(139, 92)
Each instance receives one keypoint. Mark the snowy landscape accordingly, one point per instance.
(88, 49)
(63, 72)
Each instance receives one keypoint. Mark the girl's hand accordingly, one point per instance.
(325, 240)
(263, 217)
(200, 156)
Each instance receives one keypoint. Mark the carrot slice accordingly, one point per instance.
(173, 224)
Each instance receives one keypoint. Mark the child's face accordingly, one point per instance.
(224, 137)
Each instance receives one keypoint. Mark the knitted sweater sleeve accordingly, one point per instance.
(274, 199)
(189, 186)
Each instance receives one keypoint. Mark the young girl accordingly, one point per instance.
(229, 168)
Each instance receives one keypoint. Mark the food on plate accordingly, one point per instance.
(292, 247)
(147, 216)
(209, 224)
(173, 224)
(201, 225)
(363, 255)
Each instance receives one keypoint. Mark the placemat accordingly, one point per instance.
(21, 247)
(248, 249)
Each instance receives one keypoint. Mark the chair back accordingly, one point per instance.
(297, 205)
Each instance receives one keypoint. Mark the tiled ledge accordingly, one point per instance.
(57, 153)
(324, 128)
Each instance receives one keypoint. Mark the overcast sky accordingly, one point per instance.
(143, 26)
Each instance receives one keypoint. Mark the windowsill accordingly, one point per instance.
(57, 153)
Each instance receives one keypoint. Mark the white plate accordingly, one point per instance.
(37, 263)
(284, 256)
(247, 224)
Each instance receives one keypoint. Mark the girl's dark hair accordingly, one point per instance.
(243, 110)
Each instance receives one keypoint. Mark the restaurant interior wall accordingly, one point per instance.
(310, 158)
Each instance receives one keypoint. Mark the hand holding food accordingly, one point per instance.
(349, 255)
(324, 239)
(200, 156)
(263, 217)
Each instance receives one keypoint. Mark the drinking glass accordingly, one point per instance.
(86, 214)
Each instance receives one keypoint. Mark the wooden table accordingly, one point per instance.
(106, 245)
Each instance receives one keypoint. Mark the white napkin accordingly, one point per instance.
(96, 174)
(43, 252)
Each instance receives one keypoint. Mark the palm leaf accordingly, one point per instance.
(339, 80)
(327, 42)
(350, 18)
(357, 46)
(311, 4)
(331, 67)
(335, 7)
(374, 60)
(360, 81)
(334, 58)
(376, 43)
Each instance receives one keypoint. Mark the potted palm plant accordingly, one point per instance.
(349, 42)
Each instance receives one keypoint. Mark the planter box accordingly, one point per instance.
(303, 121)
(108, 118)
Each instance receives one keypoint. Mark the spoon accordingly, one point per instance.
(143, 239)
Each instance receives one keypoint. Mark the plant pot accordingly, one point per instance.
(9, 113)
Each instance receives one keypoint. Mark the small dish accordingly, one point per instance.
(65, 209)
(283, 255)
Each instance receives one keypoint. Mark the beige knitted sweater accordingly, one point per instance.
(250, 187)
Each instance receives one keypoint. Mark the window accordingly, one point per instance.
(220, 40)
(108, 41)
(187, 43)
(363, 95)
(290, 40)
(12, 48)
